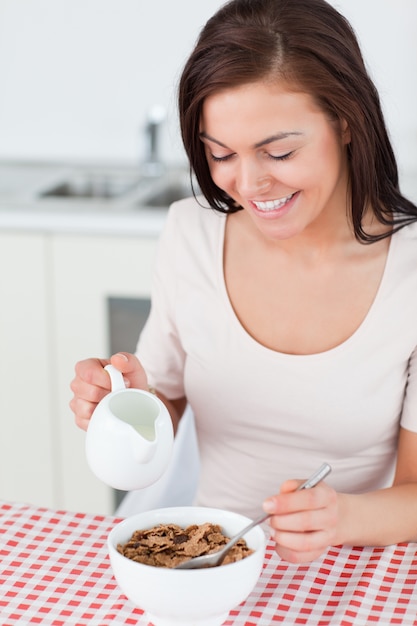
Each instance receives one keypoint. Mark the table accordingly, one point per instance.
(55, 571)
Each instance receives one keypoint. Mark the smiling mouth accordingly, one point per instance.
(273, 205)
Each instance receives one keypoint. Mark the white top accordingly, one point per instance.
(263, 416)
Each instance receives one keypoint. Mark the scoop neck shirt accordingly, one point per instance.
(263, 416)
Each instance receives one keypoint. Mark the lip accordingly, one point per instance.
(275, 213)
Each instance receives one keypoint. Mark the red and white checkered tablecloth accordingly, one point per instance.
(55, 571)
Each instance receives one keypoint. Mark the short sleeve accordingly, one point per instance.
(159, 348)
(409, 413)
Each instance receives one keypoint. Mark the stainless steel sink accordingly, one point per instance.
(93, 185)
(170, 192)
(119, 188)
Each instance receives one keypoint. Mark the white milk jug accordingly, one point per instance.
(130, 437)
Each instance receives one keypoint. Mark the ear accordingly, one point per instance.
(345, 131)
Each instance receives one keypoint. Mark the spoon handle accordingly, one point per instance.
(311, 482)
(317, 477)
(247, 528)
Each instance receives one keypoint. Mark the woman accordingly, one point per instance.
(285, 313)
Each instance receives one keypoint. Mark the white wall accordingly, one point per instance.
(78, 76)
(387, 31)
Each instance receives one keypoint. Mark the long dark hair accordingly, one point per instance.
(312, 47)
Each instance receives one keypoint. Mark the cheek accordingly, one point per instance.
(323, 167)
(221, 176)
(332, 154)
(218, 172)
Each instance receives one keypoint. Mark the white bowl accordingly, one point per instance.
(200, 597)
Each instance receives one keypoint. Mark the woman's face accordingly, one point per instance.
(277, 155)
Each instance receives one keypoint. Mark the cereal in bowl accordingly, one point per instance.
(168, 545)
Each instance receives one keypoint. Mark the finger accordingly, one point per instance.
(92, 372)
(82, 412)
(302, 543)
(303, 521)
(290, 485)
(91, 381)
(292, 501)
(86, 391)
(131, 369)
(292, 556)
(90, 385)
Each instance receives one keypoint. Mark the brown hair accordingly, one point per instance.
(311, 46)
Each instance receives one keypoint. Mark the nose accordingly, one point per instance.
(252, 179)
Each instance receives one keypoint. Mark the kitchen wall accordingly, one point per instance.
(77, 77)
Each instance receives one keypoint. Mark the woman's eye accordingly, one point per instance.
(281, 157)
(218, 159)
(227, 157)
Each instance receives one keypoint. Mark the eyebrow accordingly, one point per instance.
(264, 142)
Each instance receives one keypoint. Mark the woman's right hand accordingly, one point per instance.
(92, 383)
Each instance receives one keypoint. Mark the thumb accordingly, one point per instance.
(270, 504)
(131, 368)
(290, 485)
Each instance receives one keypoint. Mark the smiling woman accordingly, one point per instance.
(273, 306)
(321, 59)
(277, 155)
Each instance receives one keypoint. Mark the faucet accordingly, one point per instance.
(152, 164)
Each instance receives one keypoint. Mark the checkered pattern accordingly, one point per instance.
(54, 571)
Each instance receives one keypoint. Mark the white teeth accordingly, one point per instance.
(270, 205)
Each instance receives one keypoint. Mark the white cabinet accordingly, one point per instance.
(54, 291)
(86, 271)
(27, 424)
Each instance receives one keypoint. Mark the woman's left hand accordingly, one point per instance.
(304, 523)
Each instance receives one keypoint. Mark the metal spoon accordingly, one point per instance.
(216, 558)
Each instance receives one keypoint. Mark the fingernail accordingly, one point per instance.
(122, 356)
(269, 506)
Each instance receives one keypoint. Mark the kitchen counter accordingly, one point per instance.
(26, 204)
(93, 221)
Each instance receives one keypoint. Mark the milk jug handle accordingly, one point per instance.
(116, 377)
